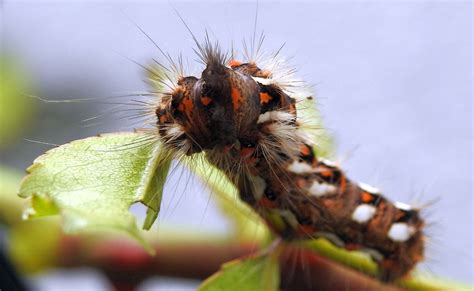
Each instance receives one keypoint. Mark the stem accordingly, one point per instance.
(127, 264)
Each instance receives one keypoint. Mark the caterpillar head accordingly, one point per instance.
(211, 112)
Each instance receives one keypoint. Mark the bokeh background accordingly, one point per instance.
(393, 80)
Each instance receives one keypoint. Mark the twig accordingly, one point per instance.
(127, 264)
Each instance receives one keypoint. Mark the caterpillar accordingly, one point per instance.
(244, 119)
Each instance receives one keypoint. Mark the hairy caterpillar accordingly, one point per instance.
(244, 118)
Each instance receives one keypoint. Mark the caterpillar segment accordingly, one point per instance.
(249, 130)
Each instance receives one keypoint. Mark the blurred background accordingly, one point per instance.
(393, 81)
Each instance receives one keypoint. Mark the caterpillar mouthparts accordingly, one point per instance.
(245, 120)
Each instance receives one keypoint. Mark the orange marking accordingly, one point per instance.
(181, 107)
(326, 173)
(234, 63)
(188, 106)
(265, 202)
(265, 98)
(206, 100)
(304, 150)
(342, 186)
(236, 96)
(366, 197)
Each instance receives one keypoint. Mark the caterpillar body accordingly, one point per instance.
(244, 119)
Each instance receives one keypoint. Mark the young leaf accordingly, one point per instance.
(253, 273)
(93, 182)
(248, 225)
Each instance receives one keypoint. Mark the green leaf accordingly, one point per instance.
(156, 181)
(248, 225)
(93, 182)
(253, 273)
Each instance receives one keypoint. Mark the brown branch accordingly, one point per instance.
(127, 264)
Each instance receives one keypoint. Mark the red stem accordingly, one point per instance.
(127, 264)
